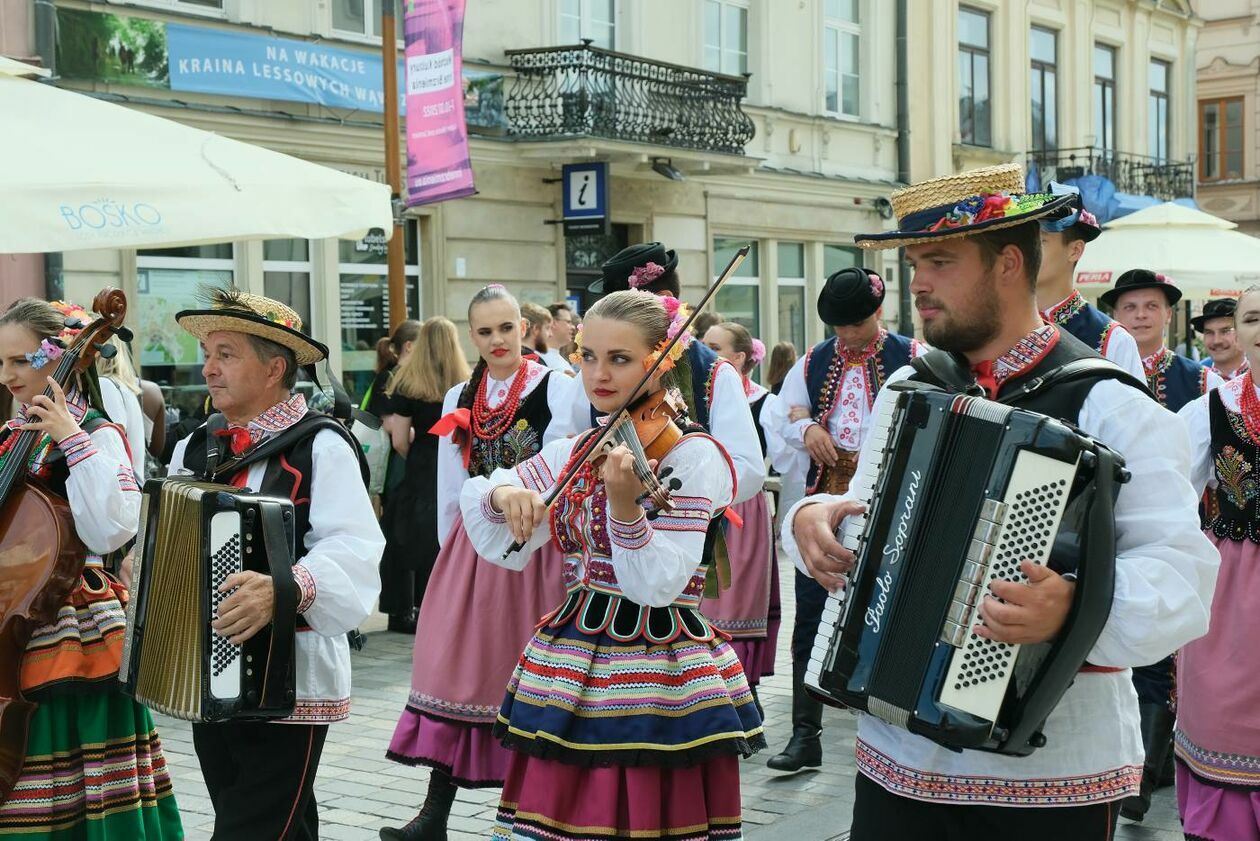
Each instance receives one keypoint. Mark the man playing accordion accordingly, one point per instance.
(260, 774)
(973, 240)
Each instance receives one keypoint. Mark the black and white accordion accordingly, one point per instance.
(192, 536)
(959, 490)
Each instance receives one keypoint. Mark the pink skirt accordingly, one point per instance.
(474, 623)
(1214, 813)
(544, 798)
(748, 612)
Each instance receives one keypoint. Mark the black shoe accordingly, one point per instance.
(804, 750)
(404, 623)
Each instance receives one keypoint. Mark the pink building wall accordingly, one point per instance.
(20, 274)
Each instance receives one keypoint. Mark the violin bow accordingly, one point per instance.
(593, 441)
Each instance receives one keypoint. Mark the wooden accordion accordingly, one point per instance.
(958, 491)
(193, 535)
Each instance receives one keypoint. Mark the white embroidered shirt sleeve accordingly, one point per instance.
(655, 559)
(451, 471)
(1196, 417)
(344, 544)
(102, 489)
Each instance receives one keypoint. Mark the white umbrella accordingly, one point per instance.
(1202, 253)
(77, 172)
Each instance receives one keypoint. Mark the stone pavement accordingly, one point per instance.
(360, 791)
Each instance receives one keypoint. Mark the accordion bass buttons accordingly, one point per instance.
(975, 572)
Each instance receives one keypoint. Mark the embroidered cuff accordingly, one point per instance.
(127, 479)
(487, 510)
(306, 583)
(629, 535)
(77, 447)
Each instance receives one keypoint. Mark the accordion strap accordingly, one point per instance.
(277, 690)
(949, 371)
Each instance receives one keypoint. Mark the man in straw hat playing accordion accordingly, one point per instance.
(260, 775)
(973, 240)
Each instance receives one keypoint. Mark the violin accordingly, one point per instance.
(41, 556)
(652, 413)
(648, 429)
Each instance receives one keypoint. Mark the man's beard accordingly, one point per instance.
(974, 327)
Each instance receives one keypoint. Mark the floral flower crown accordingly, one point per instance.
(52, 347)
(678, 313)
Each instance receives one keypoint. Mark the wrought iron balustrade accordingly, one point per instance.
(586, 91)
(1138, 174)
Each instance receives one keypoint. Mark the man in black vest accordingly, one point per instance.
(974, 243)
(260, 775)
(828, 396)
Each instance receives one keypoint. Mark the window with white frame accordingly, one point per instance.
(287, 275)
(589, 19)
(363, 17)
(169, 280)
(842, 39)
(1043, 48)
(1105, 96)
(726, 36)
(740, 299)
(1158, 113)
(974, 119)
(363, 279)
(790, 288)
(837, 257)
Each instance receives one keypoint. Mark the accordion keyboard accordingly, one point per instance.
(862, 489)
(225, 559)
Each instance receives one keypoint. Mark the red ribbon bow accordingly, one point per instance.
(239, 439)
(458, 419)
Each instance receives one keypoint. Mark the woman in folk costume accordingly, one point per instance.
(476, 617)
(748, 610)
(94, 768)
(628, 712)
(1217, 736)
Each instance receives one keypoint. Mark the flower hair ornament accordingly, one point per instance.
(877, 284)
(47, 351)
(643, 275)
(576, 356)
(758, 351)
(70, 312)
(678, 313)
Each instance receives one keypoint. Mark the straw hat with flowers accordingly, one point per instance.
(234, 311)
(968, 203)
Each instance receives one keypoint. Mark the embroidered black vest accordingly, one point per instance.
(893, 355)
(1087, 323)
(1176, 381)
(823, 371)
(1236, 460)
(521, 441)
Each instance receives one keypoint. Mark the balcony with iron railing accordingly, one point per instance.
(563, 93)
(1136, 174)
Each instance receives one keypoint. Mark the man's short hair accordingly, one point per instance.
(555, 308)
(268, 350)
(1025, 237)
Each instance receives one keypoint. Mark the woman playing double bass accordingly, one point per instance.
(93, 766)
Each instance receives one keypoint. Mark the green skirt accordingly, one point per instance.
(94, 771)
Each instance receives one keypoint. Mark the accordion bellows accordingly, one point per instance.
(193, 535)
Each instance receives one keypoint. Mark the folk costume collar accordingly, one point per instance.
(1023, 356)
(271, 422)
(1063, 312)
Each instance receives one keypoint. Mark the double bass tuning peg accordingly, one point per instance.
(125, 334)
(106, 351)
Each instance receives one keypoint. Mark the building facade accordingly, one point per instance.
(1068, 87)
(792, 149)
(1229, 112)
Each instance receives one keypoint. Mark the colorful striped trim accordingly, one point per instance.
(487, 510)
(279, 417)
(316, 711)
(1064, 311)
(442, 708)
(77, 447)
(512, 825)
(127, 479)
(536, 474)
(691, 513)
(306, 583)
(1108, 785)
(1229, 768)
(633, 535)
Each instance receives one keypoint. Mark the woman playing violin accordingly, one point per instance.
(627, 713)
(94, 767)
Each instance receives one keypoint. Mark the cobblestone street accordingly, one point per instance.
(360, 791)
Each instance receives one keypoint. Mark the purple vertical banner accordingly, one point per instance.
(438, 166)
